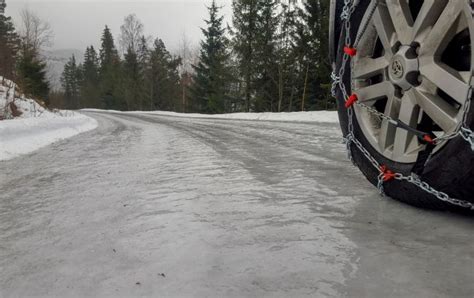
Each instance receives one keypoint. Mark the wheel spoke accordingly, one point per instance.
(387, 131)
(385, 30)
(447, 79)
(375, 92)
(444, 30)
(402, 20)
(438, 109)
(365, 68)
(429, 13)
(466, 76)
(409, 112)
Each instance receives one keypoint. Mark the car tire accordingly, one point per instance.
(449, 170)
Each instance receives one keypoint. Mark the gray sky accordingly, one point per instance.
(79, 23)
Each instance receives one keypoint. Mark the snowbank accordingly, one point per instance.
(13, 104)
(25, 135)
(32, 126)
(318, 116)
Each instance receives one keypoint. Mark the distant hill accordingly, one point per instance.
(56, 60)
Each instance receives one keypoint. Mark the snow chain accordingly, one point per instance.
(385, 175)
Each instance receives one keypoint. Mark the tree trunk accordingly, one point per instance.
(184, 96)
(280, 87)
(247, 93)
(304, 89)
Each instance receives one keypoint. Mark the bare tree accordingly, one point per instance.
(131, 34)
(189, 57)
(35, 33)
(185, 52)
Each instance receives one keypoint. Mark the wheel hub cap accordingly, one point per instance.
(404, 68)
(397, 69)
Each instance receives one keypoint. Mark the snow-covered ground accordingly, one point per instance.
(11, 98)
(319, 116)
(34, 126)
(25, 135)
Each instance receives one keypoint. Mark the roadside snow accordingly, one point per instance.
(25, 135)
(36, 127)
(11, 97)
(318, 116)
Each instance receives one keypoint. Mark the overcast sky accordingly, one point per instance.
(79, 23)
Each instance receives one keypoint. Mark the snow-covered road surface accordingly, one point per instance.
(150, 205)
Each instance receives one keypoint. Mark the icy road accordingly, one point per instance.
(150, 205)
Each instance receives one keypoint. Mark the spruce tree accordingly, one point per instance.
(245, 39)
(9, 45)
(134, 47)
(110, 73)
(288, 68)
(143, 57)
(164, 78)
(212, 79)
(90, 96)
(267, 74)
(255, 43)
(71, 82)
(313, 45)
(132, 79)
(32, 76)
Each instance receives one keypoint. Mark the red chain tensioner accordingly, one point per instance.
(387, 174)
(351, 100)
(350, 51)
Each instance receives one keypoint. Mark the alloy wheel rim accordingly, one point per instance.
(414, 64)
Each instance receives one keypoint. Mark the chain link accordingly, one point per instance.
(468, 135)
(462, 126)
(335, 82)
(337, 79)
(347, 10)
(380, 115)
(380, 182)
(438, 194)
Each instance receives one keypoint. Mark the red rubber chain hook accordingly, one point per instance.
(350, 51)
(387, 174)
(351, 100)
(429, 139)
